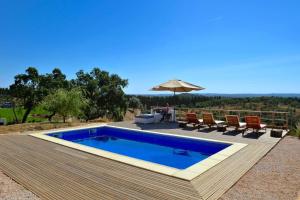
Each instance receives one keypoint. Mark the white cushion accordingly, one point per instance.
(219, 121)
(263, 125)
(242, 124)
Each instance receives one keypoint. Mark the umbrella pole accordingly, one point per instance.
(174, 108)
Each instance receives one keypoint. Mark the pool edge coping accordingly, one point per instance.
(186, 174)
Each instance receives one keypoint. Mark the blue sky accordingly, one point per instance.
(228, 46)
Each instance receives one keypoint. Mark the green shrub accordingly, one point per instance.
(295, 131)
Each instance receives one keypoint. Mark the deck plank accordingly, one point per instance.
(219, 179)
(52, 171)
(30, 160)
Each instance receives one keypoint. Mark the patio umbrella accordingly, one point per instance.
(177, 86)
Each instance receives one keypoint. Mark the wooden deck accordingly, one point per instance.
(52, 171)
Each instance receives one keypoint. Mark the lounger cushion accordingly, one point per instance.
(242, 124)
(219, 122)
(263, 125)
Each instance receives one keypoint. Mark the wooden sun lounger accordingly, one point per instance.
(191, 118)
(208, 119)
(254, 122)
(234, 121)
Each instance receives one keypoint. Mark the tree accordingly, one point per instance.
(134, 102)
(52, 82)
(30, 88)
(26, 89)
(4, 92)
(104, 93)
(65, 103)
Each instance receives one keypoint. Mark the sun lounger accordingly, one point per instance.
(191, 118)
(234, 121)
(208, 119)
(254, 122)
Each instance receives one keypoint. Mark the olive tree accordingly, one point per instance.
(66, 103)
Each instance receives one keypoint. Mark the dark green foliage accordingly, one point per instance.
(134, 102)
(104, 94)
(198, 101)
(179, 100)
(291, 105)
(53, 81)
(27, 90)
(105, 97)
(4, 92)
(30, 88)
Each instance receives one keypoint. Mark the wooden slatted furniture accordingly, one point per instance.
(234, 121)
(254, 122)
(208, 119)
(191, 118)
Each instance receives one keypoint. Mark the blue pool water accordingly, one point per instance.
(172, 151)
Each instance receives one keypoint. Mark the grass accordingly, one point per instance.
(8, 114)
(295, 131)
(36, 115)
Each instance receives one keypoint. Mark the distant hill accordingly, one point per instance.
(230, 95)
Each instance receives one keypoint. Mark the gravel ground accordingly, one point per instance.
(275, 177)
(10, 190)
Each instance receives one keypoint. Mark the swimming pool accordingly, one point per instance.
(166, 150)
(161, 152)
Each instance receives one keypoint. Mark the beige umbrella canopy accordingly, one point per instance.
(177, 86)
